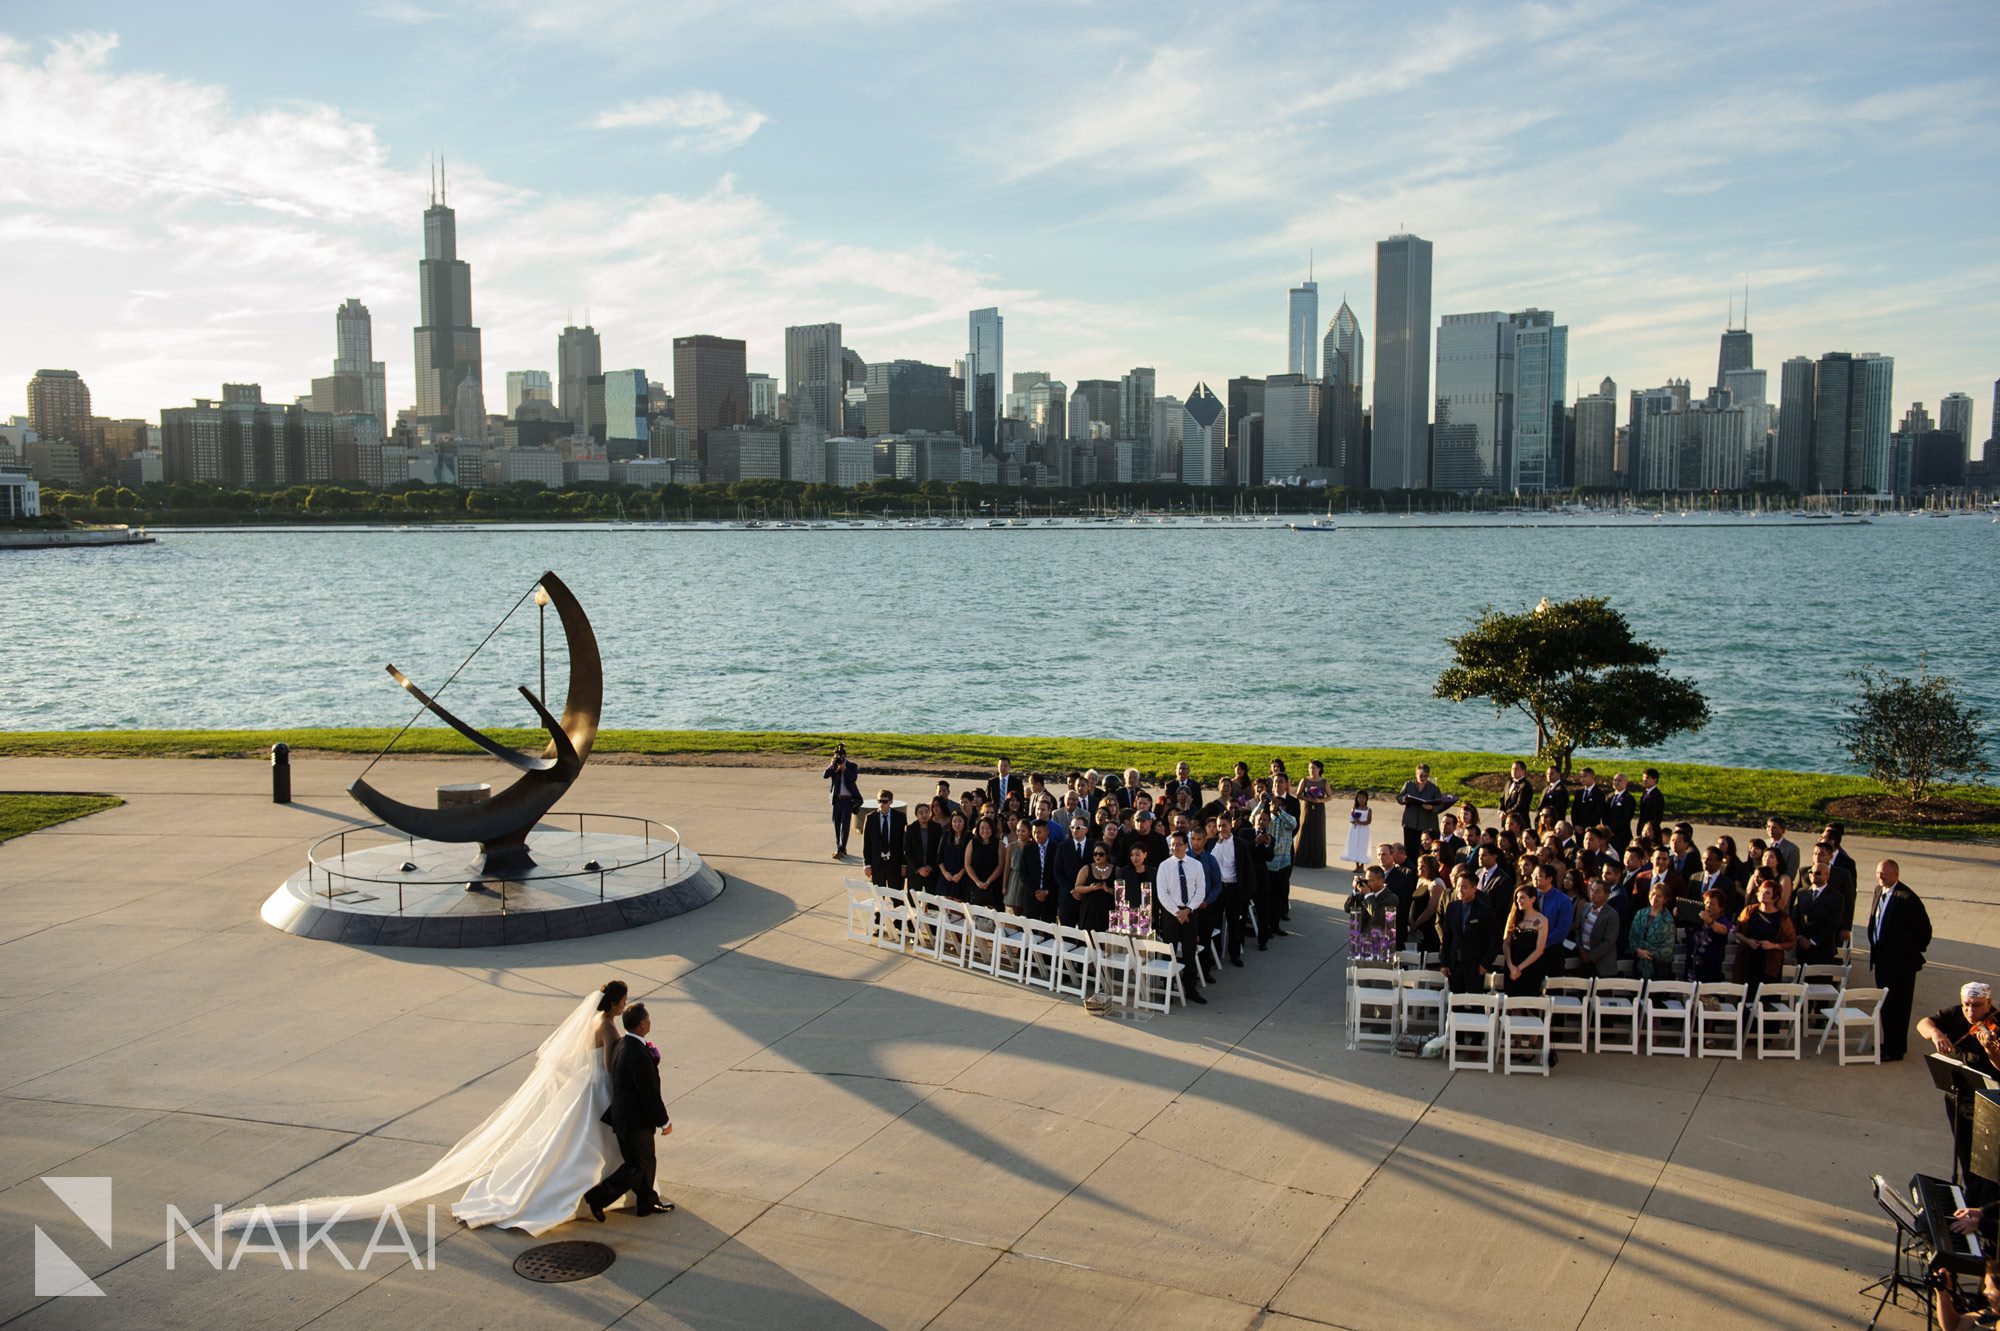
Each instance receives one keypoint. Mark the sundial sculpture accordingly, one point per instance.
(501, 822)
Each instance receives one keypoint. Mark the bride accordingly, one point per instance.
(528, 1165)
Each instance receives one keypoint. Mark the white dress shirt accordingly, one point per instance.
(1181, 884)
(1225, 857)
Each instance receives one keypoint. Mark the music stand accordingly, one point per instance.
(1909, 1243)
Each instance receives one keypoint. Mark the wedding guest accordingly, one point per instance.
(1003, 783)
(1652, 801)
(1427, 905)
(1527, 935)
(1182, 780)
(1518, 795)
(1899, 933)
(1710, 939)
(1555, 793)
(1816, 917)
(920, 851)
(1843, 874)
(882, 844)
(1554, 905)
(1471, 937)
(1764, 934)
(1313, 797)
(1586, 806)
(983, 858)
(1786, 849)
(1236, 856)
(1360, 831)
(1652, 936)
(1207, 916)
(1278, 867)
(1071, 857)
(1092, 891)
(1178, 890)
(843, 778)
(952, 881)
(1597, 934)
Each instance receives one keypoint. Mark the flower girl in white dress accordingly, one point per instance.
(1359, 850)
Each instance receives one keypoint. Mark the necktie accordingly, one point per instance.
(1184, 895)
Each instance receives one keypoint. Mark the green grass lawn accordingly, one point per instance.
(22, 814)
(1695, 791)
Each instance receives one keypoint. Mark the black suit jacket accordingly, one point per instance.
(636, 1104)
(921, 842)
(834, 772)
(1586, 807)
(1816, 915)
(1842, 877)
(1175, 785)
(1064, 865)
(1471, 937)
(1556, 798)
(1014, 785)
(1652, 807)
(1898, 945)
(1619, 807)
(878, 850)
(1518, 797)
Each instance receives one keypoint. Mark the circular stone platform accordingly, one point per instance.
(581, 883)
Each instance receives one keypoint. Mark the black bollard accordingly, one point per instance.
(281, 774)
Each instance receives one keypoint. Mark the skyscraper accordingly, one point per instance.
(447, 341)
(59, 405)
(1302, 328)
(815, 377)
(711, 386)
(1135, 403)
(1340, 402)
(1955, 415)
(1541, 367)
(1105, 399)
(627, 432)
(579, 354)
(1735, 354)
(1204, 435)
(1291, 426)
(1475, 398)
(906, 395)
(527, 386)
(358, 385)
(1597, 437)
(1850, 422)
(985, 367)
(1399, 444)
(1792, 464)
(763, 397)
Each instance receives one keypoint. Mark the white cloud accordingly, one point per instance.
(707, 121)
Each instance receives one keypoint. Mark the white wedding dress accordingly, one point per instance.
(526, 1167)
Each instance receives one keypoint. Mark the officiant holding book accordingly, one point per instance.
(1421, 800)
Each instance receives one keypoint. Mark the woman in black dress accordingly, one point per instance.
(1137, 875)
(1313, 796)
(982, 866)
(952, 881)
(1093, 890)
(1527, 940)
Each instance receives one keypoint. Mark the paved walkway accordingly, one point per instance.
(868, 1140)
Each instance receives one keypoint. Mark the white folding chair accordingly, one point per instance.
(1371, 1005)
(1420, 1001)
(1116, 965)
(1614, 1011)
(1779, 1011)
(863, 923)
(1824, 984)
(1569, 1007)
(1410, 958)
(1719, 1020)
(1006, 940)
(892, 920)
(1524, 1035)
(1044, 949)
(1859, 1014)
(1670, 1008)
(924, 916)
(1158, 975)
(1075, 958)
(1471, 1027)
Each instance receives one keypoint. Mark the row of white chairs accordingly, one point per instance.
(1058, 958)
(1671, 1017)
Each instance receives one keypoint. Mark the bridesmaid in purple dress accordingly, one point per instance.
(1313, 795)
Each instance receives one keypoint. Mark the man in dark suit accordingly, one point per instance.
(1034, 890)
(1496, 879)
(1596, 933)
(1071, 854)
(1555, 795)
(1652, 804)
(1899, 933)
(882, 844)
(1182, 780)
(1586, 806)
(1373, 902)
(1003, 783)
(1235, 853)
(1619, 810)
(844, 779)
(1818, 916)
(1401, 875)
(1842, 874)
(1471, 937)
(636, 1111)
(1517, 796)
(920, 851)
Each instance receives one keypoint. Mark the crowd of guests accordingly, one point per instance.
(1571, 877)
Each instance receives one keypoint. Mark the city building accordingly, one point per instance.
(815, 377)
(627, 422)
(711, 386)
(805, 453)
(20, 496)
(849, 462)
(447, 341)
(1247, 449)
(1104, 399)
(924, 455)
(359, 382)
(243, 441)
(1851, 410)
(1291, 427)
(1955, 415)
(1243, 397)
(1341, 356)
(745, 453)
(1135, 404)
(1204, 439)
(1399, 441)
(1735, 354)
(1048, 412)
(763, 397)
(1917, 420)
(1750, 390)
(531, 466)
(1302, 328)
(1791, 463)
(985, 364)
(1541, 369)
(1475, 383)
(527, 386)
(1653, 444)
(1597, 437)
(468, 412)
(579, 355)
(1079, 417)
(59, 405)
(905, 395)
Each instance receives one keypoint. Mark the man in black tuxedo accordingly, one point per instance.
(882, 844)
(1586, 807)
(1619, 810)
(844, 778)
(1899, 933)
(1555, 795)
(1235, 852)
(1652, 804)
(1843, 874)
(1071, 855)
(1818, 914)
(636, 1111)
(1517, 796)
(1401, 875)
(1034, 891)
(1182, 780)
(920, 851)
(1372, 903)
(1003, 783)
(1471, 938)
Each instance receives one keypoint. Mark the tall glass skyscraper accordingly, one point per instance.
(579, 354)
(1302, 329)
(1341, 355)
(1475, 396)
(815, 379)
(985, 364)
(1541, 366)
(1399, 447)
(447, 341)
(1792, 464)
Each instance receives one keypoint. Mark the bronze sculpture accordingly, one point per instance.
(501, 823)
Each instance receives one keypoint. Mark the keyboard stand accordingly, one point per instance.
(1907, 1246)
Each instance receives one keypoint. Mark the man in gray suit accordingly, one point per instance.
(1597, 933)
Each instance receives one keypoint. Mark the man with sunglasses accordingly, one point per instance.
(882, 844)
(1068, 858)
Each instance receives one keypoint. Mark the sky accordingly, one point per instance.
(188, 192)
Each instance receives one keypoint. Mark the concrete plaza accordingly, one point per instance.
(863, 1139)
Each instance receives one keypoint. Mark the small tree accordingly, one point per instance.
(1575, 670)
(1912, 734)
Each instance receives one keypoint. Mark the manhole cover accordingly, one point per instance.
(553, 1263)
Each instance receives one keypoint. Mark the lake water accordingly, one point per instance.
(1159, 632)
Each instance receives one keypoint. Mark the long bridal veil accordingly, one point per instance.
(565, 1056)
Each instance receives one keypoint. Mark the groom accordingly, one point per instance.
(636, 1109)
